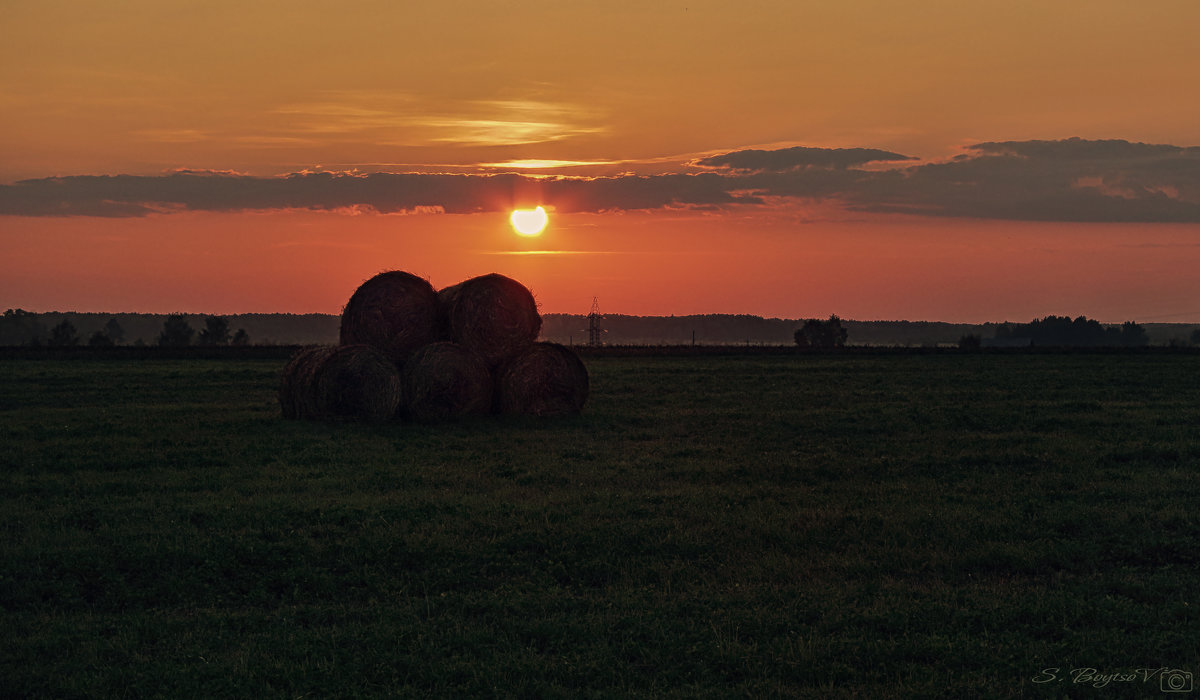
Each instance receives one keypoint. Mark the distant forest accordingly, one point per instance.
(25, 328)
(730, 329)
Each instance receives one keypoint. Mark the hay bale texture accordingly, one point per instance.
(492, 315)
(547, 379)
(297, 375)
(396, 312)
(346, 382)
(445, 381)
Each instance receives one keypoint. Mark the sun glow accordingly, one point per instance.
(528, 222)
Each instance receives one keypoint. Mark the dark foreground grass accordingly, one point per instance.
(897, 526)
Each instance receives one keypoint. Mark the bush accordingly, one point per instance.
(822, 334)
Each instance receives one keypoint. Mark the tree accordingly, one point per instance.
(63, 335)
(100, 339)
(805, 334)
(1133, 335)
(176, 332)
(20, 327)
(821, 334)
(114, 331)
(240, 338)
(216, 332)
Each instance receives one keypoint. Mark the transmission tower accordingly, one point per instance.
(594, 329)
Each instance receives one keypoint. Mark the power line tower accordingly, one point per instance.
(594, 329)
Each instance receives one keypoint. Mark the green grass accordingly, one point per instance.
(920, 525)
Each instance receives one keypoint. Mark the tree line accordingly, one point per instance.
(1064, 331)
(1051, 331)
(24, 328)
(20, 327)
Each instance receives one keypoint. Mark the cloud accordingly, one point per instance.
(546, 164)
(1066, 180)
(131, 195)
(497, 132)
(786, 159)
(1077, 149)
(397, 120)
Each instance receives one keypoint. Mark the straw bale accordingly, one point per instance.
(444, 381)
(295, 379)
(547, 379)
(396, 312)
(347, 382)
(492, 315)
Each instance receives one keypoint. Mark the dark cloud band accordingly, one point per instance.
(131, 195)
(1066, 180)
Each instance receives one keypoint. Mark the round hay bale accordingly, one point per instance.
(340, 383)
(444, 381)
(547, 379)
(295, 380)
(356, 381)
(396, 312)
(492, 315)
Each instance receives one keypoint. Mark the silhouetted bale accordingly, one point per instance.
(444, 381)
(492, 315)
(346, 382)
(357, 381)
(294, 382)
(547, 379)
(396, 312)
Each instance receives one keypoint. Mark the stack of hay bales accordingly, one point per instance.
(470, 349)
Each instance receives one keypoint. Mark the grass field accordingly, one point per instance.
(900, 525)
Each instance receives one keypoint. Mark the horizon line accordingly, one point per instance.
(656, 315)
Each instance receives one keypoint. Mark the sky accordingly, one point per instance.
(927, 160)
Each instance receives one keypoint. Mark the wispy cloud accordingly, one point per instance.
(400, 120)
(341, 117)
(496, 132)
(270, 140)
(550, 252)
(540, 164)
(173, 135)
(1065, 180)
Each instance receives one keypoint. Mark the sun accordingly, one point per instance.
(528, 222)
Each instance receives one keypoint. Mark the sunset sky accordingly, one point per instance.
(926, 160)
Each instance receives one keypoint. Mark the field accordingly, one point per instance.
(861, 525)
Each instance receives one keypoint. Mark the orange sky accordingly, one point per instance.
(267, 89)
